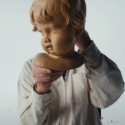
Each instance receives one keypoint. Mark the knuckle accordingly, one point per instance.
(43, 75)
(38, 80)
(43, 70)
(48, 77)
(45, 79)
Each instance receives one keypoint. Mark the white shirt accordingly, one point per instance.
(97, 83)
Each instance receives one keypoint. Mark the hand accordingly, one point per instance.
(83, 41)
(44, 78)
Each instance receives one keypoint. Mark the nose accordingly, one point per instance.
(47, 39)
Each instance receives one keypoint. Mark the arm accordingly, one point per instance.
(104, 77)
(105, 81)
(33, 108)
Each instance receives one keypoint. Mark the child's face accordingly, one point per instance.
(57, 37)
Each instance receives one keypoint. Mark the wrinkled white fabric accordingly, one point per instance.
(97, 83)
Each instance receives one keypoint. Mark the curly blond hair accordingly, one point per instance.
(74, 11)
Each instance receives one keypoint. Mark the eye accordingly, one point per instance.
(53, 30)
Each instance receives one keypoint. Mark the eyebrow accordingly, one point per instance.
(39, 30)
(46, 29)
(55, 27)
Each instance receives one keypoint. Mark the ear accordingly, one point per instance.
(77, 32)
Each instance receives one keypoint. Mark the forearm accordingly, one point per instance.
(105, 79)
(33, 108)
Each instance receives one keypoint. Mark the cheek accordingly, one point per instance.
(43, 46)
(63, 45)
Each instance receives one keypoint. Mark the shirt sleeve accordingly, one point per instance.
(33, 108)
(105, 81)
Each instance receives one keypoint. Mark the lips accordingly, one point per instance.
(49, 47)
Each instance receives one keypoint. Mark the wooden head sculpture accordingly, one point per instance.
(60, 22)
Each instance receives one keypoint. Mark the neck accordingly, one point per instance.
(66, 56)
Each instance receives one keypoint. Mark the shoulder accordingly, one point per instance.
(25, 77)
(28, 63)
(27, 66)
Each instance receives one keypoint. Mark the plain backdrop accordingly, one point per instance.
(105, 24)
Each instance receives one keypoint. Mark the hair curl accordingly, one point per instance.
(74, 12)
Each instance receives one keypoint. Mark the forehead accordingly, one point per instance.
(59, 22)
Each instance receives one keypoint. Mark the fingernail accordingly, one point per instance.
(48, 71)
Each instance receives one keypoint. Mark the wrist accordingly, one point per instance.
(83, 41)
(85, 45)
(39, 90)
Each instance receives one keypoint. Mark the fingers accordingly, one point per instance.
(53, 79)
(42, 72)
(47, 78)
(36, 69)
(39, 70)
(47, 84)
(44, 77)
(50, 74)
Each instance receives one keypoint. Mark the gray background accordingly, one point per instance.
(105, 24)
